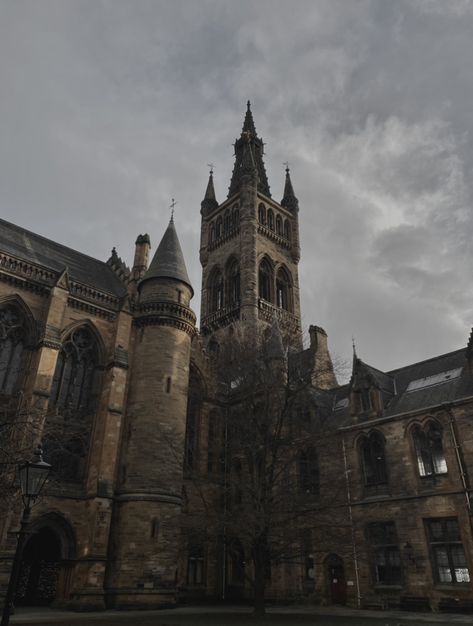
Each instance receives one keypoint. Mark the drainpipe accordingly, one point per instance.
(224, 555)
(352, 526)
(458, 455)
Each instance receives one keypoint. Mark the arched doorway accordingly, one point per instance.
(335, 577)
(46, 563)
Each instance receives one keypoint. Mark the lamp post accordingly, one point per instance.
(33, 475)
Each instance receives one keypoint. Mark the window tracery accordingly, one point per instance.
(13, 337)
(373, 459)
(265, 279)
(429, 450)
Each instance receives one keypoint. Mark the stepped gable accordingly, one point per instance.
(82, 268)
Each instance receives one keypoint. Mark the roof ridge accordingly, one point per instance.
(54, 243)
(433, 358)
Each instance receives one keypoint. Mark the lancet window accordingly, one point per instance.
(373, 459)
(270, 219)
(74, 388)
(283, 290)
(287, 230)
(13, 338)
(215, 288)
(265, 278)
(309, 477)
(262, 214)
(278, 225)
(233, 282)
(429, 450)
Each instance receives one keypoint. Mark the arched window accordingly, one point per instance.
(227, 223)
(265, 278)
(212, 233)
(262, 214)
(67, 458)
(218, 228)
(287, 230)
(309, 477)
(194, 403)
(373, 459)
(13, 337)
(429, 450)
(283, 290)
(236, 217)
(233, 282)
(75, 383)
(270, 219)
(278, 225)
(215, 289)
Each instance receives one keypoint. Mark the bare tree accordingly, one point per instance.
(275, 436)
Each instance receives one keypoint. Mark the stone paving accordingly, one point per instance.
(234, 616)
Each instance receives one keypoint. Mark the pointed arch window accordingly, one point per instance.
(212, 233)
(265, 279)
(287, 230)
(13, 339)
(218, 228)
(262, 214)
(235, 217)
(373, 460)
(429, 450)
(233, 283)
(227, 223)
(75, 382)
(215, 291)
(309, 475)
(278, 225)
(270, 219)
(283, 290)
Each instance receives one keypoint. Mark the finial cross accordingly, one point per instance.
(212, 167)
(286, 163)
(172, 205)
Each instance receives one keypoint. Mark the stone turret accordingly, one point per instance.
(148, 500)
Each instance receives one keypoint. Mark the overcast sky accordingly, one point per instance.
(110, 108)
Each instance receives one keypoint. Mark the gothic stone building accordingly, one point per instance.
(105, 366)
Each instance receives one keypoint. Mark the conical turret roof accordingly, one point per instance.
(168, 260)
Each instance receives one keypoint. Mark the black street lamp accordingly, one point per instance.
(33, 475)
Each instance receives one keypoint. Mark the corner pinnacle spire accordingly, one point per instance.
(249, 150)
(289, 200)
(209, 203)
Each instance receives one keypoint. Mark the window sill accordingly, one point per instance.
(452, 586)
(387, 587)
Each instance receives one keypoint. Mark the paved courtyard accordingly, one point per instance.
(236, 616)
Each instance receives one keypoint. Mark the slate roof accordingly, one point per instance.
(168, 260)
(82, 268)
(405, 400)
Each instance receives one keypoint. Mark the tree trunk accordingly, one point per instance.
(259, 561)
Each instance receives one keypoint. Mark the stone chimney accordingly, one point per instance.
(322, 374)
(140, 262)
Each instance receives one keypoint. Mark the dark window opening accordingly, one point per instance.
(262, 214)
(386, 558)
(309, 477)
(195, 565)
(373, 460)
(448, 555)
(265, 276)
(12, 343)
(429, 450)
(270, 219)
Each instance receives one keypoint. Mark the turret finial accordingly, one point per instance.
(171, 206)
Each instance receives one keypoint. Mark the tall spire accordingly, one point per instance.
(249, 150)
(210, 201)
(168, 260)
(289, 200)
